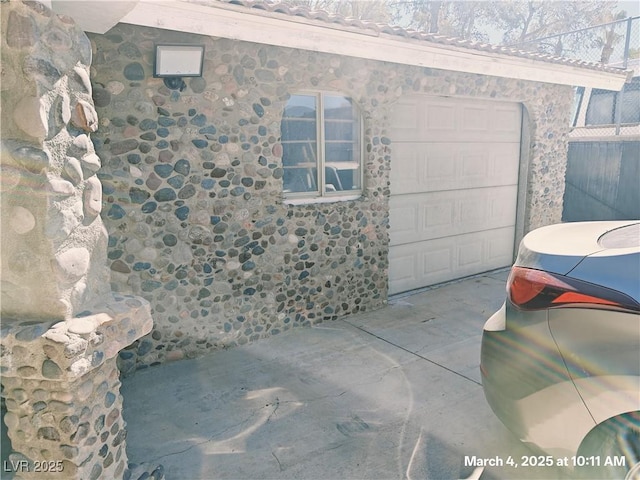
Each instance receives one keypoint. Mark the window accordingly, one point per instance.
(630, 111)
(322, 147)
(603, 104)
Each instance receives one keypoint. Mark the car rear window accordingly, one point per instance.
(623, 237)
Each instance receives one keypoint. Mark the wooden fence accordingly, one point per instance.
(602, 181)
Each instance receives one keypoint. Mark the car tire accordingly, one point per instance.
(617, 438)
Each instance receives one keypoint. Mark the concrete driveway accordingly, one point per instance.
(390, 394)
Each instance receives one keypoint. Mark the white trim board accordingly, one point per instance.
(219, 19)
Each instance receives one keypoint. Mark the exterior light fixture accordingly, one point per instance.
(174, 61)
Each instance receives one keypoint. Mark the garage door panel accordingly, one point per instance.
(406, 215)
(484, 209)
(474, 166)
(424, 167)
(474, 210)
(444, 259)
(507, 119)
(411, 174)
(440, 118)
(469, 254)
(502, 206)
(447, 119)
(489, 122)
(474, 119)
(442, 214)
(440, 165)
(438, 215)
(403, 269)
(406, 123)
(503, 165)
(437, 260)
(427, 265)
(500, 248)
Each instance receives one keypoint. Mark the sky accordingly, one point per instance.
(632, 8)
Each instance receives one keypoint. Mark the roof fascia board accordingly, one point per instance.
(91, 15)
(238, 23)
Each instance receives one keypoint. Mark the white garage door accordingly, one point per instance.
(454, 186)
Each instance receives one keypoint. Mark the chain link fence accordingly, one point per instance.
(601, 113)
(603, 161)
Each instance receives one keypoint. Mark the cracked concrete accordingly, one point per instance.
(393, 393)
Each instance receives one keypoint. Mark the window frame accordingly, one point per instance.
(578, 100)
(321, 194)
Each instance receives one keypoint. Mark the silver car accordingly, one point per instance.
(560, 360)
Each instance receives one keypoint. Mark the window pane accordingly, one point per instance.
(296, 130)
(630, 112)
(600, 111)
(339, 152)
(299, 121)
(301, 106)
(300, 179)
(338, 130)
(342, 150)
(299, 144)
(630, 108)
(299, 154)
(336, 107)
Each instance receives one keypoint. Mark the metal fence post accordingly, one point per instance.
(627, 43)
(620, 94)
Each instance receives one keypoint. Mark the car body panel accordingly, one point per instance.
(527, 384)
(601, 349)
(560, 248)
(621, 273)
(556, 419)
(498, 321)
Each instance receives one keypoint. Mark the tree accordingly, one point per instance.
(510, 22)
(612, 35)
(467, 19)
(373, 10)
(524, 21)
(454, 18)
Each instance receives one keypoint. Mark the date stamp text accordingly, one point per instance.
(544, 461)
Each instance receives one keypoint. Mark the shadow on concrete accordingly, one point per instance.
(393, 393)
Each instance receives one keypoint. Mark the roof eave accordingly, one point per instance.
(219, 19)
(91, 16)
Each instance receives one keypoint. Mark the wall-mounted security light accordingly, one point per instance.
(174, 61)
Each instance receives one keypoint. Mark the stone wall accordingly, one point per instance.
(192, 183)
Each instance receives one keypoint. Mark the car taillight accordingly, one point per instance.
(531, 289)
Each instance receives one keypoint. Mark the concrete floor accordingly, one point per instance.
(389, 394)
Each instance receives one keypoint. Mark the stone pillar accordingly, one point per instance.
(61, 387)
(62, 327)
(54, 244)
